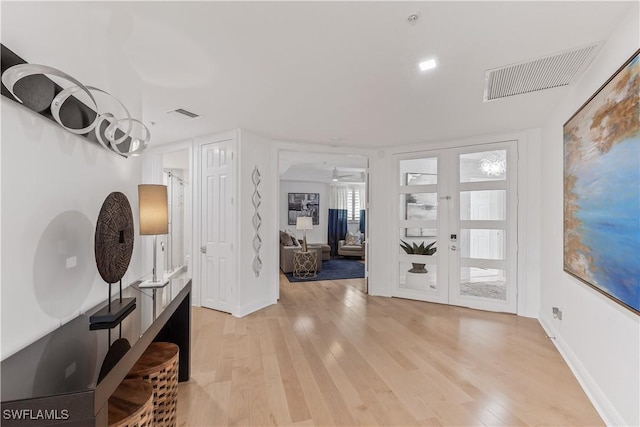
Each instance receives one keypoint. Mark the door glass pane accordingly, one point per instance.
(420, 206)
(413, 277)
(483, 283)
(483, 205)
(483, 166)
(482, 243)
(419, 171)
(417, 235)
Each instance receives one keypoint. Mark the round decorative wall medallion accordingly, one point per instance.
(114, 237)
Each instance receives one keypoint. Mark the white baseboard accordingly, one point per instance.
(244, 310)
(598, 398)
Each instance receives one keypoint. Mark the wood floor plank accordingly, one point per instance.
(329, 354)
(298, 409)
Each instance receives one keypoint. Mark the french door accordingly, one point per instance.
(463, 202)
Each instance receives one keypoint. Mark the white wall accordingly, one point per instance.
(599, 338)
(261, 291)
(319, 232)
(53, 186)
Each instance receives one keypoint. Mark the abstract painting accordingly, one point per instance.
(602, 188)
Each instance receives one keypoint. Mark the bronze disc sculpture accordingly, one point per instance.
(114, 237)
(113, 249)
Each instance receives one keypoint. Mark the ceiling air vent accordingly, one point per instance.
(183, 114)
(558, 69)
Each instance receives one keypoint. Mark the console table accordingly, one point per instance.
(54, 381)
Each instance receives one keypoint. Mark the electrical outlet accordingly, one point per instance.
(557, 313)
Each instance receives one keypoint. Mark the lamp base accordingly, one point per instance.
(151, 284)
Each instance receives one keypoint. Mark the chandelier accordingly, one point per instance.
(494, 164)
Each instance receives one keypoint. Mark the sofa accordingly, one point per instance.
(326, 250)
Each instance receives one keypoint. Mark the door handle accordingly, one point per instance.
(203, 249)
(453, 248)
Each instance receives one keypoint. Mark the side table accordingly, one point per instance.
(304, 264)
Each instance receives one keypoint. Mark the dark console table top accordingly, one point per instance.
(67, 361)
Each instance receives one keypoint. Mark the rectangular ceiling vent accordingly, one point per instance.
(183, 114)
(558, 69)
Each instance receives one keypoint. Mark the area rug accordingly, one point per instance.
(334, 269)
(496, 289)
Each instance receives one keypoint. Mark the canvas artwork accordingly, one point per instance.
(602, 189)
(304, 204)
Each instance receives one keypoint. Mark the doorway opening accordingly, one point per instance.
(332, 189)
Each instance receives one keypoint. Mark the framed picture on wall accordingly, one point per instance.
(304, 204)
(601, 182)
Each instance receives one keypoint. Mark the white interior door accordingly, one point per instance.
(464, 200)
(422, 213)
(483, 255)
(217, 272)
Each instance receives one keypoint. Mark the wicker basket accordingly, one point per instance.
(159, 365)
(131, 405)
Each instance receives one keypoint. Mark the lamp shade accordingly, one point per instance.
(153, 209)
(304, 223)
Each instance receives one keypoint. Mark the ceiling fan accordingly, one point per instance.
(336, 176)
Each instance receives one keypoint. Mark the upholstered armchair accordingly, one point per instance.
(352, 246)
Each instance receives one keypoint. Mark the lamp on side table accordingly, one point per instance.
(154, 220)
(304, 223)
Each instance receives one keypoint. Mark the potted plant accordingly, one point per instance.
(421, 249)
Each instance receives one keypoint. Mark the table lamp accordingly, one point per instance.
(154, 220)
(304, 223)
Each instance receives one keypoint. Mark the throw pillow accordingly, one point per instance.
(359, 238)
(293, 240)
(285, 239)
(350, 239)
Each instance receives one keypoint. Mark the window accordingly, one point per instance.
(353, 204)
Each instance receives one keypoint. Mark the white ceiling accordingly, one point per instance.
(318, 167)
(309, 71)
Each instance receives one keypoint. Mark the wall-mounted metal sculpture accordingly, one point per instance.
(256, 199)
(41, 94)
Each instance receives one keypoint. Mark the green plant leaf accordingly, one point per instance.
(407, 248)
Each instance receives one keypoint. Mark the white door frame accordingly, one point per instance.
(311, 149)
(153, 173)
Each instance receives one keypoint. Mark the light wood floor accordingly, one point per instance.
(328, 354)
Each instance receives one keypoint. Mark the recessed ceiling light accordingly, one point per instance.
(427, 65)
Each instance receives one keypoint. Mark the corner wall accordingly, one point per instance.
(256, 292)
(53, 186)
(599, 339)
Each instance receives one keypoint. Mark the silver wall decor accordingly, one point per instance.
(104, 127)
(256, 199)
